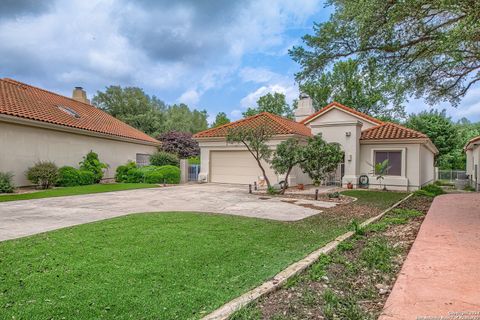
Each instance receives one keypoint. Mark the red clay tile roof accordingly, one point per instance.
(471, 141)
(276, 125)
(390, 130)
(341, 106)
(21, 100)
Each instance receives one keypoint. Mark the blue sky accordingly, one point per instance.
(215, 55)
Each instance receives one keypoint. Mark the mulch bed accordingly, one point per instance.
(359, 291)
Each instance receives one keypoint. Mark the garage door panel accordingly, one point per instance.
(235, 167)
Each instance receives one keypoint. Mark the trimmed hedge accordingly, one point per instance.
(130, 173)
(70, 177)
(162, 158)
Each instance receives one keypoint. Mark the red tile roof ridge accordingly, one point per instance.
(344, 107)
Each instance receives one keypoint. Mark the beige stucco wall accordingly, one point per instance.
(427, 166)
(209, 146)
(473, 159)
(410, 176)
(21, 146)
(335, 115)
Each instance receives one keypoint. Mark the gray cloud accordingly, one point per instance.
(188, 31)
(10, 9)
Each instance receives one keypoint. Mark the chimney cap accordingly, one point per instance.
(303, 95)
(79, 88)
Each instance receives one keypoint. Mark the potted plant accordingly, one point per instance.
(300, 186)
(349, 185)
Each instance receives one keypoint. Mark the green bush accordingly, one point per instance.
(43, 174)
(130, 173)
(171, 174)
(91, 163)
(122, 171)
(68, 177)
(153, 177)
(434, 189)
(134, 175)
(194, 160)
(6, 183)
(163, 158)
(424, 193)
(86, 177)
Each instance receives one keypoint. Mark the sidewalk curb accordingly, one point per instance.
(225, 311)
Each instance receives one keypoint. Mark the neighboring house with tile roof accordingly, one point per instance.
(365, 140)
(472, 151)
(38, 125)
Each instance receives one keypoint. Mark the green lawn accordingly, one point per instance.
(154, 265)
(71, 191)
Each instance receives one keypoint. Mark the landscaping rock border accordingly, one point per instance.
(225, 311)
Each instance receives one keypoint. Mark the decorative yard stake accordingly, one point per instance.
(255, 186)
(250, 188)
(316, 194)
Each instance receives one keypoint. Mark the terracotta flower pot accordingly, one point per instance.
(301, 186)
(349, 185)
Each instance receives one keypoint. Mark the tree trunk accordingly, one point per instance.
(264, 173)
(285, 185)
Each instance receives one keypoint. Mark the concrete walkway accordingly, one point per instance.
(441, 275)
(27, 217)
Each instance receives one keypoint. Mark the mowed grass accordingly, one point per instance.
(178, 265)
(71, 191)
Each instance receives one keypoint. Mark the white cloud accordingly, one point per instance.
(190, 97)
(290, 92)
(258, 75)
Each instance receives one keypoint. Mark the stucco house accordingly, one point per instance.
(38, 125)
(472, 151)
(365, 141)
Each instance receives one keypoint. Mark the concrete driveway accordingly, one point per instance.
(27, 217)
(440, 278)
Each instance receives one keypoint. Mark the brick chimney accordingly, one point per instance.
(80, 95)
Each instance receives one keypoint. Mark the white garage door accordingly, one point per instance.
(235, 167)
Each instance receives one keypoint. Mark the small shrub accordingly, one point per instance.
(163, 158)
(434, 189)
(43, 174)
(469, 188)
(272, 191)
(68, 177)
(122, 171)
(334, 195)
(86, 177)
(6, 183)
(356, 227)
(92, 163)
(171, 174)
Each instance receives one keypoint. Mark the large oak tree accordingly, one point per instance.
(430, 47)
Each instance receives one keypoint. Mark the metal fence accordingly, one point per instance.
(193, 171)
(452, 175)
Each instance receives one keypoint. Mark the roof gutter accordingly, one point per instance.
(57, 127)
